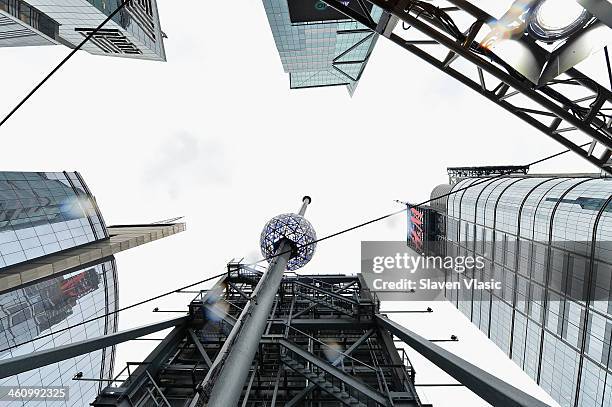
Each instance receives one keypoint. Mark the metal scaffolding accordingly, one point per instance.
(324, 344)
(571, 109)
(457, 173)
(320, 347)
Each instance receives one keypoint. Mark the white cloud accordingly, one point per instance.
(184, 161)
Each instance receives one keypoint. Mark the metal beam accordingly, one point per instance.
(298, 397)
(238, 290)
(276, 384)
(132, 387)
(235, 369)
(310, 307)
(20, 364)
(326, 292)
(326, 323)
(485, 385)
(324, 366)
(231, 375)
(227, 318)
(247, 393)
(198, 345)
(595, 129)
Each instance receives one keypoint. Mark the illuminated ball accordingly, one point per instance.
(294, 228)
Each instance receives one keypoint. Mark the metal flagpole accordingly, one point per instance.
(234, 371)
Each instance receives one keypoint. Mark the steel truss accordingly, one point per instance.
(321, 347)
(325, 344)
(566, 109)
(456, 173)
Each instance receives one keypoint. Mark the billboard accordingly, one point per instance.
(416, 228)
(426, 230)
(306, 11)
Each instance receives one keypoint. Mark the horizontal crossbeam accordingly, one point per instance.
(20, 364)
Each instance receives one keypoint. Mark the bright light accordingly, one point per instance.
(557, 19)
(556, 15)
(332, 351)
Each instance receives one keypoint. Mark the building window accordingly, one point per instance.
(110, 41)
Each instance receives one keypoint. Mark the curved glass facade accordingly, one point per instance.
(549, 241)
(44, 308)
(43, 213)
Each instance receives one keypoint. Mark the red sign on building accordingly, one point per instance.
(415, 229)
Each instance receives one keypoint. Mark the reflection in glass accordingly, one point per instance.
(31, 312)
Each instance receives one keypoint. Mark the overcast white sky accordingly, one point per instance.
(216, 135)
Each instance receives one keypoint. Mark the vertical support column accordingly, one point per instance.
(230, 381)
(305, 202)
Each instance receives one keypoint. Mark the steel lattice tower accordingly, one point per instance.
(298, 362)
(316, 344)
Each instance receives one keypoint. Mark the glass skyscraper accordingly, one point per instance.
(42, 214)
(319, 46)
(134, 32)
(548, 239)
(49, 306)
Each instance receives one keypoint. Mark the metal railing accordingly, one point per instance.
(330, 378)
(321, 296)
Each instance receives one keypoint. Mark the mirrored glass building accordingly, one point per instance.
(30, 313)
(134, 32)
(42, 214)
(547, 238)
(319, 46)
(57, 273)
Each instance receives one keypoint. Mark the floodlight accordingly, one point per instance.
(574, 31)
(519, 56)
(553, 20)
(582, 45)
